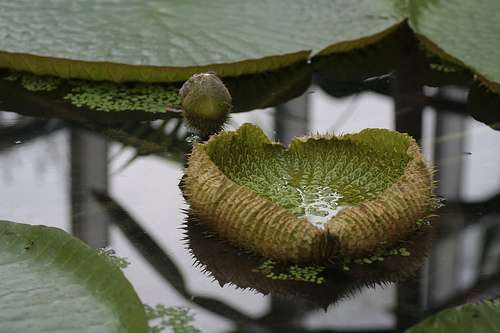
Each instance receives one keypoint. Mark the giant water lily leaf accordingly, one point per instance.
(323, 197)
(52, 282)
(170, 40)
(462, 31)
(478, 318)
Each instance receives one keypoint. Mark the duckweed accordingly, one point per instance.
(294, 272)
(112, 97)
(437, 63)
(422, 222)
(313, 273)
(32, 82)
(175, 319)
(378, 256)
(12, 76)
(103, 96)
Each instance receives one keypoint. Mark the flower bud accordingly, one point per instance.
(206, 103)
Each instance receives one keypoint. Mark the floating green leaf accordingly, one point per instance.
(134, 40)
(322, 197)
(462, 31)
(52, 282)
(482, 317)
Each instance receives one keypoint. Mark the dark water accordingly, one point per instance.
(122, 191)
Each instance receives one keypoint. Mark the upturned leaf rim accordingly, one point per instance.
(275, 232)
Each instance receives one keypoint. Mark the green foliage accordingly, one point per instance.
(103, 96)
(170, 319)
(118, 41)
(190, 37)
(481, 317)
(440, 64)
(112, 97)
(350, 167)
(445, 68)
(303, 273)
(56, 283)
(422, 222)
(463, 32)
(33, 82)
(371, 186)
(377, 256)
(110, 255)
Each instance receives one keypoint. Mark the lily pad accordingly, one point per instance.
(322, 197)
(133, 40)
(482, 317)
(52, 282)
(464, 32)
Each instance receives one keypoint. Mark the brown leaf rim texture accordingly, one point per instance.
(254, 223)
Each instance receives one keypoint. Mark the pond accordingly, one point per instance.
(113, 182)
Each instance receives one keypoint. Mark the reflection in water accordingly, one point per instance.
(321, 285)
(89, 171)
(464, 262)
